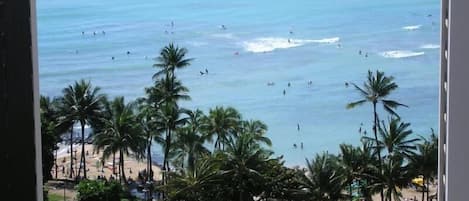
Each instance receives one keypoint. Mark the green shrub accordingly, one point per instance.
(89, 190)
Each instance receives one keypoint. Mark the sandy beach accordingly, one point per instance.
(94, 165)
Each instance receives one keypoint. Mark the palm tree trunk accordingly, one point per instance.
(71, 152)
(149, 161)
(83, 155)
(191, 161)
(375, 131)
(121, 159)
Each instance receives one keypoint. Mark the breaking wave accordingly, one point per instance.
(401, 54)
(271, 43)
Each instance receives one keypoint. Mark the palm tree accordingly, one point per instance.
(189, 144)
(171, 58)
(67, 120)
(322, 180)
(425, 162)
(50, 133)
(350, 163)
(221, 123)
(393, 178)
(394, 137)
(368, 163)
(121, 133)
(167, 91)
(146, 118)
(258, 129)
(193, 184)
(84, 103)
(243, 164)
(169, 117)
(376, 90)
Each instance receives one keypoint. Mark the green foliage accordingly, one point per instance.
(121, 133)
(89, 190)
(50, 133)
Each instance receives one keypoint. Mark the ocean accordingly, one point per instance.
(247, 44)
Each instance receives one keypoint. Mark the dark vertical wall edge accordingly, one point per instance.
(19, 103)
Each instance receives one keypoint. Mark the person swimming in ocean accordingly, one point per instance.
(82, 33)
(360, 52)
(346, 84)
(366, 54)
(104, 33)
(288, 84)
(284, 92)
(206, 71)
(298, 127)
(289, 41)
(223, 27)
(301, 145)
(294, 145)
(128, 52)
(112, 58)
(201, 73)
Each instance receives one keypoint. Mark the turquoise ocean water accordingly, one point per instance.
(264, 41)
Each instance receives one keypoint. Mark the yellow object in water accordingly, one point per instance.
(418, 181)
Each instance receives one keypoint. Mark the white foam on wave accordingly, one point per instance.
(412, 27)
(430, 46)
(326, 40)
(269, 44)
(401, 54)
